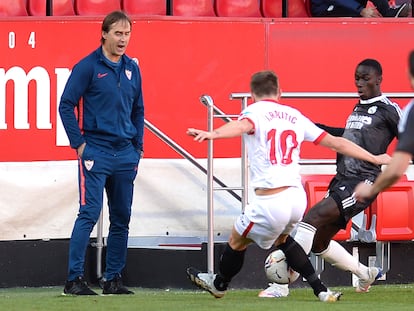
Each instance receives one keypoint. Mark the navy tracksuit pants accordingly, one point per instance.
(113, 172)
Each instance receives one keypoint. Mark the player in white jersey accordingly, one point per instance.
(273, 134)
(273, 144)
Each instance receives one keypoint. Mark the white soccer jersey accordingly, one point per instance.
(273, 146)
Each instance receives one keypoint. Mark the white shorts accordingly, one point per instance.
(269, 216)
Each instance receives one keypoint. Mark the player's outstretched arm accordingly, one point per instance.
(347, 147)
(334, 131)
(228, 130)
(393, 172)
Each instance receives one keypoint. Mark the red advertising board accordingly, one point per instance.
(182, 59)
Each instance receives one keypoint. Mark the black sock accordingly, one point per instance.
(231, 262)
(299, 261)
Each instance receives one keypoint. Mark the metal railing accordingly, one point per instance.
(99, 244)
(244, 97)
(214, 112)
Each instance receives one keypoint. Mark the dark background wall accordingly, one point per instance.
(44, 263)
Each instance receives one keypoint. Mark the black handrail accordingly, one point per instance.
(49, 7)
(285, 8)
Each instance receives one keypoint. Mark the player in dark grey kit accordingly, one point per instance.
(404, 152)
(373, 124)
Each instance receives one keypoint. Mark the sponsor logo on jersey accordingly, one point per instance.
(358, 121)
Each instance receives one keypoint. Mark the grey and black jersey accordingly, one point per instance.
(373, 124)
(406, 130)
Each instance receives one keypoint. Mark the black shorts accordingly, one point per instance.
(341, 189)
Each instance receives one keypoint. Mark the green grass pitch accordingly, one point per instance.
(380, 298)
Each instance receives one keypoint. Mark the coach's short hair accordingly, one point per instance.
(113, 18)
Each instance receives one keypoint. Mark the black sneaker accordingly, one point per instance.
(402, 10)
(115, 287)
(77, 287)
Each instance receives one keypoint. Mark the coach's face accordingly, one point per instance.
(116, 40)
(367, 82)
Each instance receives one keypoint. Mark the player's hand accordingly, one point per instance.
(383, 159)
(370, 12)
(199, 135)
(363, 191)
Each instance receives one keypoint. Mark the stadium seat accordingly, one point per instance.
(59, 7)
(393, 213)
(368, 232)
(237, 8)
(96, 7)
(144, 7)
(10, 8)
(316, 186)
(296, 8)
(192, 8)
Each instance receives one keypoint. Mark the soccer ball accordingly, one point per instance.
(277, 269)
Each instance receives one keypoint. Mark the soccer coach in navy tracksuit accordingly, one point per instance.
(107, 133)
